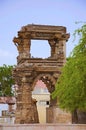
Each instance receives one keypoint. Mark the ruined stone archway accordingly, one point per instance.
(28, 69)
(48, 79)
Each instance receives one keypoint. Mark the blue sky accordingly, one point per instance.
(17, 13)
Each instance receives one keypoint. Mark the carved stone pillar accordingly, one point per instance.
(62, 50)
(26, 108)
(56, 50)
(27, 44)
(52, 45)
(23, 46)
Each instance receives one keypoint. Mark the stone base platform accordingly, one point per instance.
(43, 127)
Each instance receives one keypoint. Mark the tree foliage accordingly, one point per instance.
(71, 86)
(6, 80)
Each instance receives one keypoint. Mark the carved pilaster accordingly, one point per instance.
(27, 44)
(26, 107)
(61, 54)
(52, 45)
(62, 49)
(23, 46)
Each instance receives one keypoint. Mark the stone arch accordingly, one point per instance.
(47, 79)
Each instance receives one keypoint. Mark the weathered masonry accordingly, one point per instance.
(29, 70)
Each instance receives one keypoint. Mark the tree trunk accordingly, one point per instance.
(75, 117)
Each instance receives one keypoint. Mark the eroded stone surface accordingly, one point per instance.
(29, 70)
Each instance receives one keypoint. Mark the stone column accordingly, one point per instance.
(27, 44)
(62, 51)
(25, 108)
(19, 104)
(23, 46)
(56, 50)
(52, 45)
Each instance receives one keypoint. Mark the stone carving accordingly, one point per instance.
(29, 70)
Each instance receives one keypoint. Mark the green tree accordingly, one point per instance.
(6, 80)
(71, 86)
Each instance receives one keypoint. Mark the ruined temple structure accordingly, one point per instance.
(29, 70)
